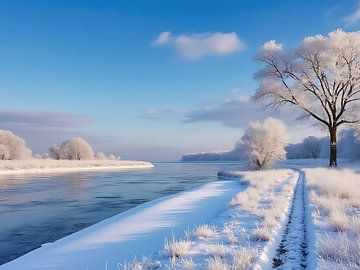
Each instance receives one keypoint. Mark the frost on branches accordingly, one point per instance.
(12, 146)
(72, 149)
(77, 149)
(265, 142)
(321, 77)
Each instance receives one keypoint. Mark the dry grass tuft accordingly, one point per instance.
(177, 248)
(261, 234)
(341, 249)
(218, 250)
(339, 221)
(188, 264)
(217, 264)
(204, 231)
(243, 258)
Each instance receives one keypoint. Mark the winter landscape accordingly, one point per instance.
(150, 135)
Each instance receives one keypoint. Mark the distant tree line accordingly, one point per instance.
(262, 145)
(310, 148)
(12, 147)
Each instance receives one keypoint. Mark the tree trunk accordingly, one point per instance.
(333, 146)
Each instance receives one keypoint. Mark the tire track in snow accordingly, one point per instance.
(292, 250)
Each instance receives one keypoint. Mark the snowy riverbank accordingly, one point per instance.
(36, 166)
(139, 231)
(257, 220)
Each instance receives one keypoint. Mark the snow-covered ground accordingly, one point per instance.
(335, 210)
(34, 166)
(298, 218)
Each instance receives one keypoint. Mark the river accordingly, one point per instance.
(40, 209)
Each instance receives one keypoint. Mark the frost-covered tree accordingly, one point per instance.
(37, 156)
(4, 152)
(55, 152)
(112, 157)
(321, 77)
(76, 149)
(349, 145)
(312, 147)
(100, 155)
(265, 142)
(12, 146)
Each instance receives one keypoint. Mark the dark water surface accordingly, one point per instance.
(43, 208)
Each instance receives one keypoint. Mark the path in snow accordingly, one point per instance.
(292, 250)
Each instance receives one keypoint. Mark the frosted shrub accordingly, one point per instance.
(218, 250)
(265, 142)
(144, 264)
(339, 221)
(188, 264)
(327, 182)
(4, 152)
(340, 248)
(134, 265)
(113, 157)
(247, 199)
(232, 239)
(261, 233)
(177, 248)
(229, 234)
(100, 155)
(217, 264)
(76, 149)
(204, 231)
(355, 226)
(243, 258)
(55, 152)
(328, 203)
(12, 146)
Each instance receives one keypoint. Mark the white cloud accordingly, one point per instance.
(237, 111)
(198, 45)
(354, 17)
(42, 119)
(233, 111)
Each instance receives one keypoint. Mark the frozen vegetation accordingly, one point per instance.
(310, 148)
(9, 167)
(12, 146)
(265, 142)
(294, 217)
(72, 155)
(335, 204)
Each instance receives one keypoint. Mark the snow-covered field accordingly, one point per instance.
(272, 219)
(335, 209)
(33, 166)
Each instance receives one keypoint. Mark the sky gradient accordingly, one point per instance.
(146, 79)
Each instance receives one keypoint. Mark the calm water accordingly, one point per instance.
(40, 209)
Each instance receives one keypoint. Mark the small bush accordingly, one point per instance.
(218, 250)
(243, 258)
(217, 264)
(339, 221)
(177, 248)
(204, 231)
(261, 234)
(188, 264)
(341, 249)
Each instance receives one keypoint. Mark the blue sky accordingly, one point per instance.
(97, 69)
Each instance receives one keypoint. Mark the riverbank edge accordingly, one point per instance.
(33, 167)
